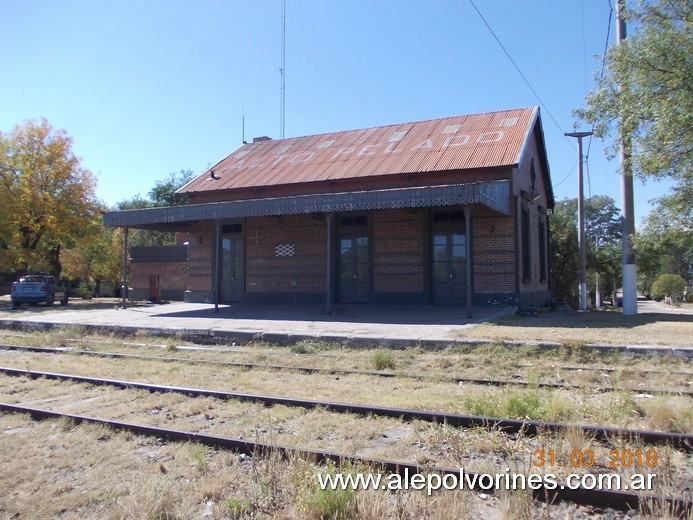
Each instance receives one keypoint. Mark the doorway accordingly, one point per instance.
(232, 274)
(353, 259)
(449, 257)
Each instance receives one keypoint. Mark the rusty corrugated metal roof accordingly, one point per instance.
(476, 141)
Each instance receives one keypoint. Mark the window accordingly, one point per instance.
(359, 220)
(526, 246)
(448, 216)
(232, 228)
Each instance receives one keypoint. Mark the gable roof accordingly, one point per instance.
(489, 140)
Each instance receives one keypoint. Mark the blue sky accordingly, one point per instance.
(150, 87)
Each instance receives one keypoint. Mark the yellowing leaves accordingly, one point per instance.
(47, 197)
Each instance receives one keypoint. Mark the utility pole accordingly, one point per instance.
(582, 281)
(630, 295)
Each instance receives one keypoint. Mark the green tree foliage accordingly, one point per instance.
(95, 258)
(647, 93)
(668, 285)
(602, 240)
(664, 245)
(162, 194)
(564, 253)
(47, 197)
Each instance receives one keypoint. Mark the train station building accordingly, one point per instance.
(451, 211)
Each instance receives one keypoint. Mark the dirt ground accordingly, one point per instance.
(604, 327)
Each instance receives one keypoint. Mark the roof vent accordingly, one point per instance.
(261, 139)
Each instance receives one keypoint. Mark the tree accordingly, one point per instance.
(96, 257)
(47, 197)
(668, 285)
(162, 194)
(602, 233)
(564, 252)
(647, 92)
(664, 245)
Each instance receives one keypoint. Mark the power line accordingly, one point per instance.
(566, 177)
(541, 102)
(601, 72)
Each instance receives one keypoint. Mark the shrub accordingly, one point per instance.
(198, 452)
(382, 359)
(237, 507)
(668, 284)
(334, 504)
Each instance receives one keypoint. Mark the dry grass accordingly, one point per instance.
(622, 408)
(528, 364)
(157, 480)
(595, 327)
(71, 471)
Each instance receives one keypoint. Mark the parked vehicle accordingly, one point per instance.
(36, 288)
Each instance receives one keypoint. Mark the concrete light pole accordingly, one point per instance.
(630, 294)
(582, 281)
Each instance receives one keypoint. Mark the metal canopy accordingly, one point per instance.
(495, 195)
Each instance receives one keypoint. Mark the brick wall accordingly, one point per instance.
(537, 210)
(172, 275)
(286, 255)
(398, 251)
(493, 242)
(269, 265)
(200, 253)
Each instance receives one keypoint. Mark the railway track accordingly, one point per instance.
(605, 498)
(232, 350)
(334, 371)
(528, 427)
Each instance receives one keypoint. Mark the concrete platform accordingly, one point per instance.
(432, 327)
(358, 325)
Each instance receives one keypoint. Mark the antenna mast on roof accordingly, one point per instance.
(243, 125)
(282, 72)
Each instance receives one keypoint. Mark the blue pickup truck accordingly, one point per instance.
(36, 288)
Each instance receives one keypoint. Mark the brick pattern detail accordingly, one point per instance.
(398, 251)
(171, 275)
(305, 271)
(200, 254)
(493, 243)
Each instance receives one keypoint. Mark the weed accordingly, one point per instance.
(524, 405)
(198, 452)
(237, 507)
(560, 408)
(337, 504)
(516, 505)
(382, 359)
(669, 413)
(302, 347)
(622, 407)
(109, 495)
